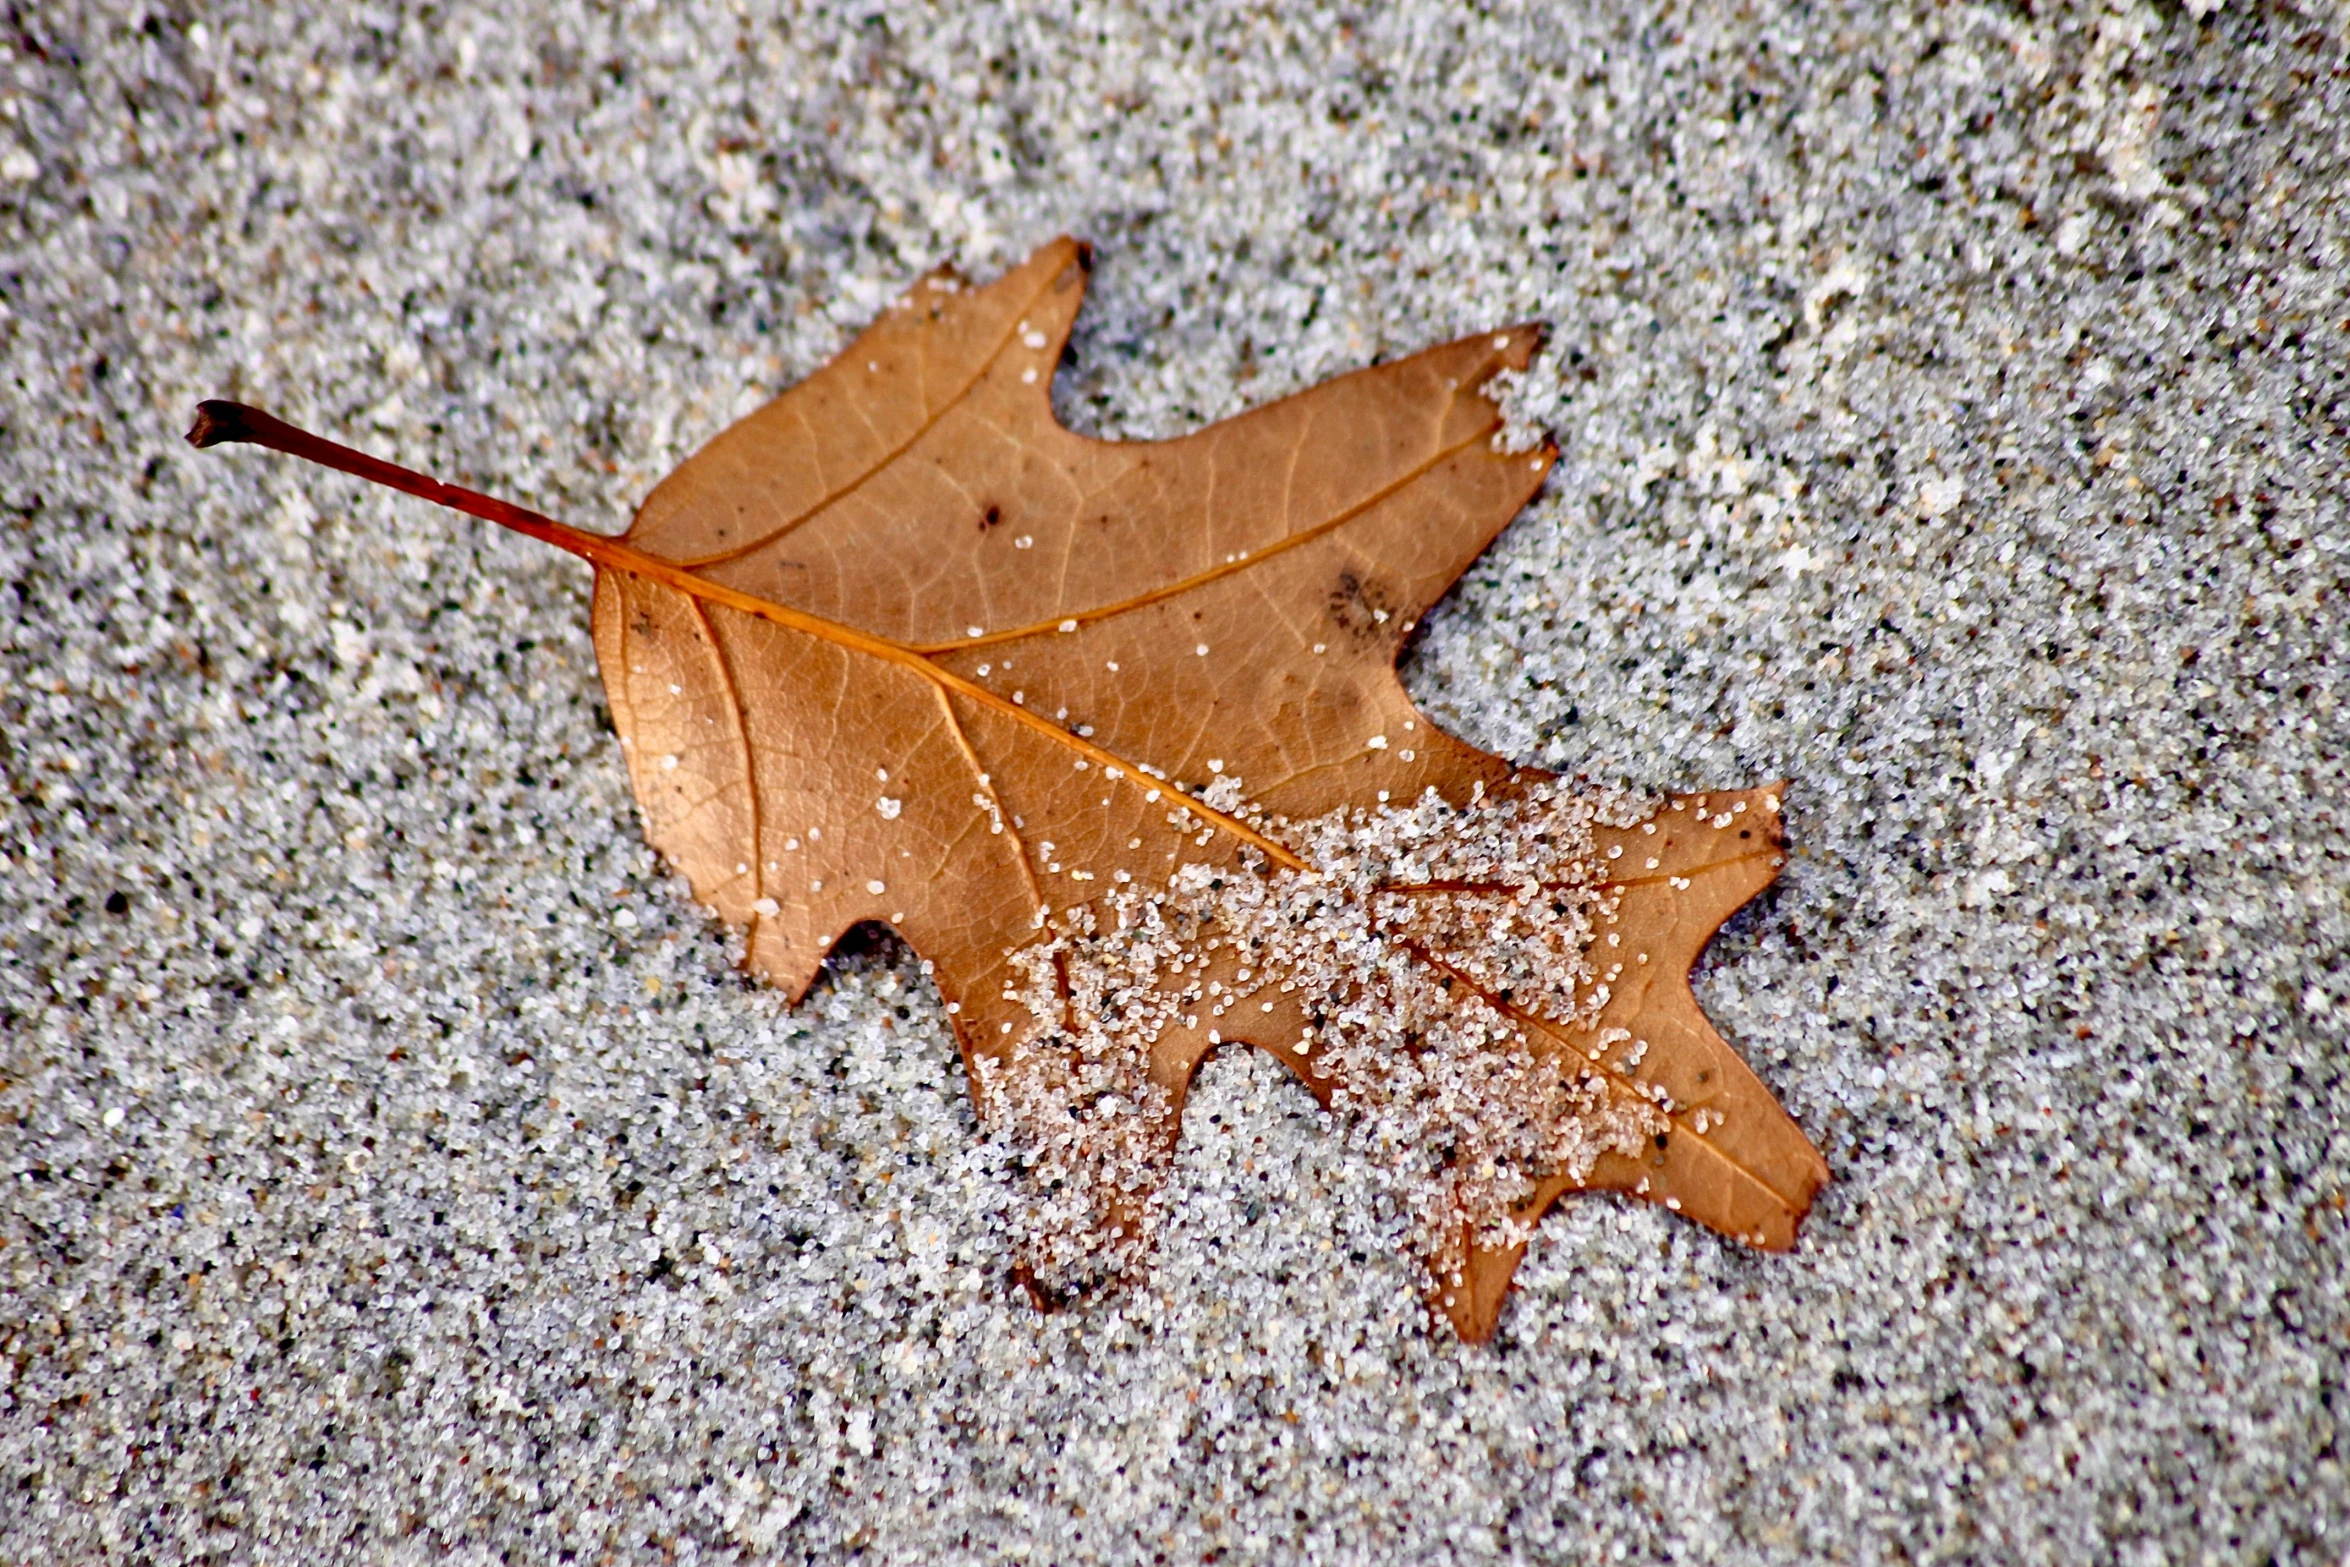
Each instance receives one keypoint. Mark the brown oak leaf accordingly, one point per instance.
(1111, 733)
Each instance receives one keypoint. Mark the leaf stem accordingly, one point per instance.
(219, 422)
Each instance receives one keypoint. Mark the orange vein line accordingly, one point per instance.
(845, 491)
(1213, 573)
(979, 775)
(1480, 887)
(742, 735)
(1541, 1025)
(218, 421)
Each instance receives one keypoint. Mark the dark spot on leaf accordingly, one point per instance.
(1360, 609)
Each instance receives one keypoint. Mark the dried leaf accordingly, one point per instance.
(1111, 733)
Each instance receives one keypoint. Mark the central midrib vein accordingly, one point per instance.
(613, 555)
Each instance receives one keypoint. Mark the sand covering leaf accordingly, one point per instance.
(1111, 733)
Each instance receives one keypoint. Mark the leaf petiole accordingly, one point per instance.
(220, 422)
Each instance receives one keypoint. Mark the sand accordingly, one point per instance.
(1953, 406)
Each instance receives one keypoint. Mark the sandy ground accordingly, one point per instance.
(1954, 412)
